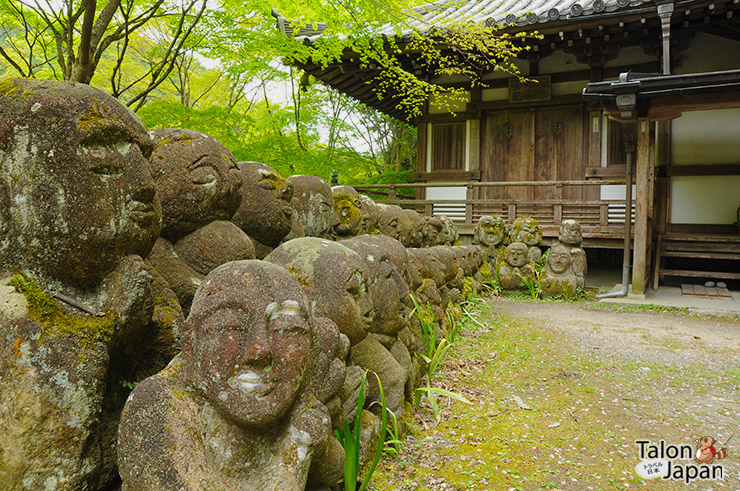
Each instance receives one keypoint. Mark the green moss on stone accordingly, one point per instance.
(56, 321)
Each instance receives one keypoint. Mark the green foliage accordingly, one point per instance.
(533, 285)
(350, 440)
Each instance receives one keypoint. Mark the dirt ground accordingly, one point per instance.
(561, 392)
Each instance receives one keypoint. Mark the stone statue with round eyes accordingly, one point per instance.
(527, 231)
(349, 211)
(514, 267)
(78, 210)
(243, 407)
(265, 212)
(313, 209)
(449, 235)
(490, 234)
(557, 278)
(570, 235)
(199, 184)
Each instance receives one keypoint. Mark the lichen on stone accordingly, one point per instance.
(56, 321)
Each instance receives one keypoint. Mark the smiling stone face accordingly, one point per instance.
(197, 180)
(490, 231)
(265, 211)
(559, 259)
(248, 341)
(517, 254)
(76, 191)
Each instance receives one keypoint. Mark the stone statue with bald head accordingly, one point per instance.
(514, 267)
(244, 406)
(313, 208)
(570, 235)
(78, 211)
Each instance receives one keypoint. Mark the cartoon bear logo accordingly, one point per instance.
(705, 451)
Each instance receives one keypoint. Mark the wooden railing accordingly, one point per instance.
(598, 218)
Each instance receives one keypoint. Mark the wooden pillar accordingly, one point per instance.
(643, 207)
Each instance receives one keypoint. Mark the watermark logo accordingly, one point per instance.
(681, 462)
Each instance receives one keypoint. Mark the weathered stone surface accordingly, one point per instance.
(372, 355)
(432, 227)
(237, 408)
(335, 279)
(557, 278)
(388, 223)
(370, 215)
(570, 235)
(74, 162)
(514, 267)
(182, 279)
(265, 212)
(349, 211)
(313, 208)
(449, 235)
(197, 180)
(527, 230)
(83, 210)
(490, 234)
(213, 245)
(416, 235)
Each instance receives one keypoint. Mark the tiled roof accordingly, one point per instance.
(521, 13)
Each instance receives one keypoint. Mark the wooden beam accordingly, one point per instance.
(642, 207)
(704, 170)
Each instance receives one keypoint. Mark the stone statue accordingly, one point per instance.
(370, 215)
(432, 227)
(490, 234)
(570, 235)
(557, 278)
(449, 235)
(242, 408)
(514, 267)
(348, 208)
(527, 230)
(388, 223)
(313, 208)
(78, 209)
(416, 234)
(265, 212)
(199, 184)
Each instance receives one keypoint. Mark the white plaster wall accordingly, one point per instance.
(616, 191)
(705, 199)
(568, 88)
(455, 192)
(454, 211)
(707, 137)
(495, 94)
(630, 56)
(707, 53)
(521, 65)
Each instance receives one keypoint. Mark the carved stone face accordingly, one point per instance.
(248, 341)
(335, 279)
(490, 231)
(432, 227)
(75, 182)
(527, 230)
(265, 211)
(313, 208)
(197, 180)
(559, 259)
(388, 221)
(348, 210)
(517, 254)
(449, 234)
(369, 215)
(385, 259)
(570, 232)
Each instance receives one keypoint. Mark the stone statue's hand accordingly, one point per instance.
(310, 426)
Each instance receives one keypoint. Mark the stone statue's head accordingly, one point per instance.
(313, 208)
(349, 211)
(527, 230)
(265, 211)
(490, 231)
(415, 235)
(432, 228)
(335, 279)
(370, 215)
(386, 260)
(559, 258)
(248, 341)
(197, 180)
(76, 191)
(517, 254)
(570, 232)
(388, 223)
(449, 234)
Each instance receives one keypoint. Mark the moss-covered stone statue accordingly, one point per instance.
(490, 234)
(313, 209)
(78, 209)
(265, 212)
(527, 230)
(449, 235)
(348, 207)
(244, 406)
(200, 188)
(557, 278)
(570, 235)
(514, 267)
(431, 227)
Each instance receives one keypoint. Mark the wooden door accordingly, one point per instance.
(559, 154)
(508, 152)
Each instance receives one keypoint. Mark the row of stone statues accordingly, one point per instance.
(514, 256)
(129, 257)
